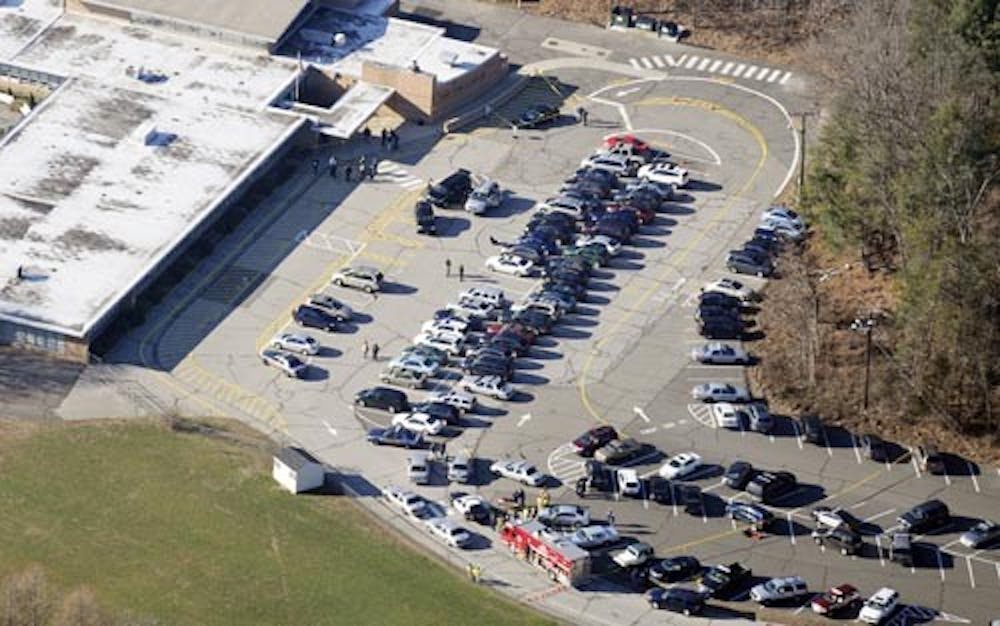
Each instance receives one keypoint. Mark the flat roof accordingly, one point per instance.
(87, 207)
(354, 108)
(267, 19)
(20, 21)
(389, 41)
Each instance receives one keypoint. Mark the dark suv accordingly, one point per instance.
(454, 189)
(423, 213)
(385, 398)
(770, 486)
(840, 538)
(312, 317)
(588, 443)
(811, 429)
(927, 516)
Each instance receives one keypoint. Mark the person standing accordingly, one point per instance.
(315, 165)
(461, 273)
(374, 352)
(333, 166)
(447, 268)
(611, 518)
(385, 138)
(372, 166)
(364, 350)
(347, 173)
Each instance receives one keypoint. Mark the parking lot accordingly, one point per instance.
(621, 358)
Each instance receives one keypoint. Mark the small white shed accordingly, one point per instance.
(296, 470)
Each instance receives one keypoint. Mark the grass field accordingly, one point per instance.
(190, 529)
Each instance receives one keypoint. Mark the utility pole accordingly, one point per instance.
(866, 325)
(803, 116)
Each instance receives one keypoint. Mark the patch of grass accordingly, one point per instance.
(190, 529)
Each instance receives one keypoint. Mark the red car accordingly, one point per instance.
(514, 328)
(588, 443)
(637, 144)
(837, 600)
(645, 215)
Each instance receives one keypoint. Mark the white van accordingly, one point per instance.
(493, 296)
(418, 468)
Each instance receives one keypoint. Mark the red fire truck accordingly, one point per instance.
(564, 561)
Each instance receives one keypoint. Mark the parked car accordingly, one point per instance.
(520, 471)
(494, 296)
(745, 263)
(839, 538)
(879, 606)
(874, 448)
(418, 467)
(589, 442)
(901, 549)
(779, 589)
(836, 601)
(385, 398)
(295, 342)
(449, 342)
(680, 466)
(408, 501)
(493, 386)
(403, 377)
(674, 569)
(536, 115)
(738, 475)
(313, 317)
(784, 228)
(720, 579)
(291, 365)
(676, 599)
(420, 422)
(721, 328)
(472, 507)
(451, 190)
(564, 516)
(768, 487)
(926, 516)
(510, 264)
(782, 213)
(487, 195)
(363, 277)
(811, 429)
(619, 451)
(594, 536)
(418, 363)
(460, 469)
(395, 436)
(449, 532)
(633, 555)
(720, 392)
(629, 483)
(719, 354)
(730, 287)
(423, 215)
(727, 415)
(332, 306)
(983, 534)
(835, 517)
(761, 420)
(461, 400)
(665, 172)
(748, 513)
(616, 164)
(930, 459)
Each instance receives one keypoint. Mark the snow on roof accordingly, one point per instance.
(20, 21)
(389, 41)
(86, 206)
(354, 108)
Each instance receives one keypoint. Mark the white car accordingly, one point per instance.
(492, 386)
(594, 536)
(726, 415)
(451, 343)
(510, 264)
(449, 532)
(564, 515)
(628, 482)
(613, 246)
(880, 606)
(720, 392)
(295, 342)
(729, 287)
(417, 363)
(614, 163)
(291, 365)
(680, 465)
(420, 423)
(666, 173)
(633, 555)
(410, 502)
(784, 228)
(465, 504)
(718, 353)
(487, 195)
(783, 213)
(363, 277)
(461, 400)
(520, 471)
(469, 307)
(494, 296)
(448, 324)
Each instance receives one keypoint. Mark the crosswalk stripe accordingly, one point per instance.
(725, 70)
(409, 184)
(647, 63)
(691, 62)
(387, 166)
(715, 66)
(704, 63)
(657, 61)
(750, 72)
(739, 70)
(635, 63)
(774, 76)
(674, 63)
(762, 73)
(785, 78)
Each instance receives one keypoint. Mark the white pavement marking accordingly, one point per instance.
(648, 431)
(669, 424)
(715, 66)
(524, 419)
(704, 63)
(331, 429)
(878, 550)
(857, 454)
(657, 62)
(669, 58)
(774, 76)
(728, 66)
(625, 92)
(647, 63)
(750, 71)
(784, 79)
(947, 480)
(762, 73)
(791, 529)
(691, 62)
(638, 411)
(878, 515)
(972, 475)
(972, 577)
(798, 435)
(940, 564)
(681, 422)
(738, 70)
(635, 63)
(916, 466)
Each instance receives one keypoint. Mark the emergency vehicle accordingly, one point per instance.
(564, 562)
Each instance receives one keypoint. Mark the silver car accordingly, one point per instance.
(363, 277)
(331, 305)
(291, 365)
(403, 377)
(484, 197)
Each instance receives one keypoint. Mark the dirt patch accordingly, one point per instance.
(33, 385)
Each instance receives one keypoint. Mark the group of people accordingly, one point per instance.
(447, 270)
(366, 348)
(364, 166)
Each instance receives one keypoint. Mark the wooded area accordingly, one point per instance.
(904, 179)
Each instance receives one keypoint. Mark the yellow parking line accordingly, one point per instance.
(698, 542)
(678, 257)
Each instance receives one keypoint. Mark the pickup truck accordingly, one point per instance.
(633, 555)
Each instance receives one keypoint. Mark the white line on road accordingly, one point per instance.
(878, 515)
(625, 92)
(691, 62)
(638, 411)
(738, 70)
(857, 454)
(916, 466)
(947, 480)
(940, 561)
(635, 63)
(669, 424)
(784, 79)
(647, 63)
(715, 66)
(657, 62)
(728, 66)
(681, 422)
(972, 578)
(972, 475)
(704, 63)
(774, 76)
(878, 550)
(791, 529)
(524, 419)
(798, 435)
(669, 58)
(750, 72)
(648, 431)
(331, 429)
